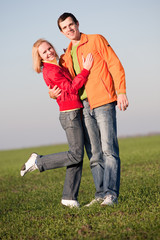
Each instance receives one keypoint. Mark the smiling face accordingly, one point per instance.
(70, 29)
(46, 52)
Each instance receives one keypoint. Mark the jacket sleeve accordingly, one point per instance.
(113, 63)
(63, 80)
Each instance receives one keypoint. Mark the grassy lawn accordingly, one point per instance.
(30, 207)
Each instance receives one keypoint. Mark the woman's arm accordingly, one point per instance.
(63, 79)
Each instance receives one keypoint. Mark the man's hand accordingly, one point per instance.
(122, 102)
(54, 92)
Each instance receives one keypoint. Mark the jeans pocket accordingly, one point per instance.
(74, 114)
(69, 119)
(63, 119)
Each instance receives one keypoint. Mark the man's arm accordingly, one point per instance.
(54, 92)
(117, 71)
(113, 63)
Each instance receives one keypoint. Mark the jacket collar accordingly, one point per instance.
(83, 40)
(51, 62)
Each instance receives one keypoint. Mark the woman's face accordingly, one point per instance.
(46, 52)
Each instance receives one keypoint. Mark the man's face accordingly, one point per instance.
(70, 29)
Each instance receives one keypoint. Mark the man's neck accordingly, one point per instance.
(76, 42)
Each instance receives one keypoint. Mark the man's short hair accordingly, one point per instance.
(64, 16)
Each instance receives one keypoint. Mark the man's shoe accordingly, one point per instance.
(70, 203)
(30, 165)
(109, 200)
(96, 200)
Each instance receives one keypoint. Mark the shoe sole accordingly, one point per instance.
(70, 206)
(109, 204)
(94, 203)
(23, 170)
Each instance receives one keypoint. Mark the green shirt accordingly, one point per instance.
(82, 91)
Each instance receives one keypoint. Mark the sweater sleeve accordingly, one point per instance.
(113, 63)
(63, 80)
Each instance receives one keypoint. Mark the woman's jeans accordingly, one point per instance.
(102, 148)
(72, 159)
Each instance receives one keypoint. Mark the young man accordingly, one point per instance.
(104, 89)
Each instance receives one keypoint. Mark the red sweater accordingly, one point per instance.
(60, 76)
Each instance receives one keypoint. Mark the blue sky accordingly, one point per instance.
(28, 117)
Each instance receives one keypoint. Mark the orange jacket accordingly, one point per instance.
(107, 76)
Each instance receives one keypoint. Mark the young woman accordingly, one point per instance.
(45, 60)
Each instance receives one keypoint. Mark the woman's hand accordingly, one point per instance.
(88, 62)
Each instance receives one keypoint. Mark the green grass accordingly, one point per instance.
(30, 207)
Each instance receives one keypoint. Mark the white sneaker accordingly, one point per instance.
(96, 200)
(109, 200)
(30, 165)
(70, 203)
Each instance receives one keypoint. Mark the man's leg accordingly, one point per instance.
(93, 148)
(106, 120)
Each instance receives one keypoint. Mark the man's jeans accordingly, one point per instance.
(102, 147)
(72, 159)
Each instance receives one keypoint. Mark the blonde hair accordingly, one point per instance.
(37, 60)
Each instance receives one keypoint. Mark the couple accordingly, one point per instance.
(91, 62)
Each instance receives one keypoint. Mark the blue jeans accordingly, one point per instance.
(100, 130)
(72, 159)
